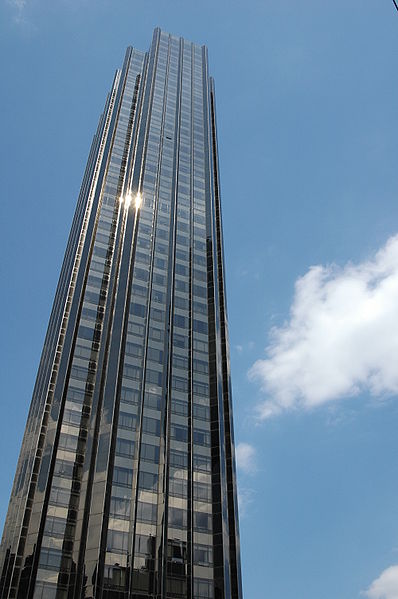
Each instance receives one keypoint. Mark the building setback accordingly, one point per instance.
(125, 485)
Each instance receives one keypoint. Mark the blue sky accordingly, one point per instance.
(307, 118)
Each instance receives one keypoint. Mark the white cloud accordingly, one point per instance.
(246, 463)
(245, 499)
(384, 587)
(246, 458)
(240, 349)
(19, 6)
(341, 337)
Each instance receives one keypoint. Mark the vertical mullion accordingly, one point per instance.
(190, 538)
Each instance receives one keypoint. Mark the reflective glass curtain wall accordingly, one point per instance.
(125, 485)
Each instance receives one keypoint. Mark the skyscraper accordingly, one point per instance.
(125, 485)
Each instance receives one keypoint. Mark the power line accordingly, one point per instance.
(395, 4)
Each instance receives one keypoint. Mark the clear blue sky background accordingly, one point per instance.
(307, 116)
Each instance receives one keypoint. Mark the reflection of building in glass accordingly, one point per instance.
(125, 486)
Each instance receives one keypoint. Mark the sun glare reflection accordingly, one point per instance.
(138, 200)
(128, 198)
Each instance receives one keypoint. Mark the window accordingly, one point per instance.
(179, 383)
(198, 259)
(45, 590)
(85, 333)
(203, 589)
(122, 476)
(180, 268)
(200, 275)
(176, 587)
(75, 395)
(155, 355)
(202, 555)
(120, 508)
(181, 302)
(152, 400)
(132, 372)
(150, 453)
(201, 366)
(127, 421)
(156, 334)
(144, 258)
(144, 545)
(180, 321)
(181, 285)
(138, 310)
(83, 352)
(130, 396)
(202, 463)
(200, 345)
(141, 274)
(157, 315)
(180, 341)
(68, 442)
(114, 576)
(146, 512)
(124, 448)
(160, 263)
(162, 234)
(200, 327)
(158, 279)
(153, 376)
(176, 551)
(151, 425)
(201, 388)
(148, 481)
(202, 521)
(139, 290)
(158, 296)
(200, 308)
(50, 559)
(134, 349)
(63, 468)
(200, 291)
(177, 517)
(178, 459)
(179, 407)
(179, 432)
(55, 527)
(72, 417)
(201, 412)
(79, 373)
(137, 329)
(180, 362)
(178, 487)
(201, 491)
(117, 541)
(201, 437)
(60, 496)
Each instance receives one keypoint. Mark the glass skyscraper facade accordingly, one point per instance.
(125, 486)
